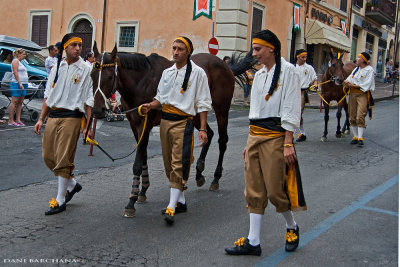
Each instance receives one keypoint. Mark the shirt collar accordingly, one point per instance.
(78, 64)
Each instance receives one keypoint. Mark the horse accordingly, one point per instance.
(136, 78)
(332, 90)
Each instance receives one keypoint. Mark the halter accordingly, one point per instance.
(99, 66)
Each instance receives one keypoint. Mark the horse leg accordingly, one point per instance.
(338, 116)
(222, 120)
(145, 181)
(326, 118)
(200, 179)
(346, 126)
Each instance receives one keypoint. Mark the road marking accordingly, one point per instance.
(388, 212)
(16, 128)
(328, 223)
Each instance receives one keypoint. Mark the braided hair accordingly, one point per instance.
(271, 38)
(189, 47)
(65, 39)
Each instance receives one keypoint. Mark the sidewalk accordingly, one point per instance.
(382, 91)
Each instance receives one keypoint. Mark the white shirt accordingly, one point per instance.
(22, 73)
(285, 102)
(364, 77)
(307, 75)
(49, 63)
(197, 96)
(73, 89)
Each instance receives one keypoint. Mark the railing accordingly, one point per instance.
(385, 7)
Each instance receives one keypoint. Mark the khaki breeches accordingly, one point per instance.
(358, 109)
(59, 143)
(265, 174)
(171, 135)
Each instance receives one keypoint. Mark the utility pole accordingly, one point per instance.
(396, 43)
(104, 25)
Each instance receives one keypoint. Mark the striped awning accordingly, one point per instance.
(320, 33)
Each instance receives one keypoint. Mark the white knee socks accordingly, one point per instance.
(173, 197)
(302, 130)
(255, 229)
(181, 198)
(360, 132)
(354, 130)
(62, 189)
(71, 184)
(290, 222)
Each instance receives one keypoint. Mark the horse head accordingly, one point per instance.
(105, 80)
(335, 71)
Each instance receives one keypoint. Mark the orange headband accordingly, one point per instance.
(302, 54)
(74, 39)
(185, 42)
(262, 42)
(362, 56)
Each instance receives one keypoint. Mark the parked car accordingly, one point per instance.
(34, 62)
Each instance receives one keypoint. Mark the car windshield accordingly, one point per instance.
(34, 59)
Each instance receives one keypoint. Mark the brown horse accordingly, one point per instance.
(136, 77)
(336, 73)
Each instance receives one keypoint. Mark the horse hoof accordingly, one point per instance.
(339, 135)
(129, 213)
(141, 200)
(347, 132)
(214, 187)
(324, 139)
(200, 181)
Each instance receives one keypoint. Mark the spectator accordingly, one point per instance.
(226, 59)
(51, 60)
(247, 87)
(9, 58)
(18, 86)
(89, 59)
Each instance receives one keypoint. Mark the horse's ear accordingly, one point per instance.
(95, 50)
(114, 52)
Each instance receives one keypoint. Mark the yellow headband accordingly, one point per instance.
(302, 54)
(362, 56)
(74, 39)
(262, 42)
(185, 42)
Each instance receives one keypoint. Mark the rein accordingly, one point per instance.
(323, 99)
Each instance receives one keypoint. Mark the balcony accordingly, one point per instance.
(381, 11)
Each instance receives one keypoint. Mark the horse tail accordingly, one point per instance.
(239, 64)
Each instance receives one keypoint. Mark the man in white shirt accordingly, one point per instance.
(68, 95)
(182, 93)
(270, 158)
(361, 82)
(307, 77)
(51, 60)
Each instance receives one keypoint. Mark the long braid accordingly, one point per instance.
(277, 72)
(59, 58)
(189, 46)
(187, 74)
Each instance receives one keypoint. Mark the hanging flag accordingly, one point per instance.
(343, 25)
(296, 17)
(202, 8)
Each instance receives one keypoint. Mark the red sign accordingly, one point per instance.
(213, 46)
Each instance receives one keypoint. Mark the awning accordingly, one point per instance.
(320, 33)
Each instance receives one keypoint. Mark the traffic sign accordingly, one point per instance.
(213, 46)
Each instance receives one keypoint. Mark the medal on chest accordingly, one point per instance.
(76, 78)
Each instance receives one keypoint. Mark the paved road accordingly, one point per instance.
(351, 192)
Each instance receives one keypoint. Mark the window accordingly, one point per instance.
(358, 3)
(127, 36)
(39, 27)
(369, 45)
(258, 18)
(343, 5)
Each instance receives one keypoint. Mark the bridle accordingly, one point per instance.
(99, 66)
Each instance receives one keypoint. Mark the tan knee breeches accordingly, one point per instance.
(358, 109)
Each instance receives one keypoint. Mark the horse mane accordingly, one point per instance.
(240, 64)
(135, 61)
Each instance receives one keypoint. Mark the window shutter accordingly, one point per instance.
(39, 29)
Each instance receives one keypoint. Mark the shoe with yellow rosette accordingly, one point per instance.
(243, 247)
(292, 239)
(169, 216)
(55, 208)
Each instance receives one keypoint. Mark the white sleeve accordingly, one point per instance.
(159, 88)
(291, 100)
(88, 87)
(203, 97)
(368, 82)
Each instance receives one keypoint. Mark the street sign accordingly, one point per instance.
(213, 46)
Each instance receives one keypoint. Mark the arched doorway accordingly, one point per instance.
(84, 30)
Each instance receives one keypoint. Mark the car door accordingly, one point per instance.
(4, 66)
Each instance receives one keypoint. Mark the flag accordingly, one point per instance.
(202, 8)
(343, 25)
(296, 17)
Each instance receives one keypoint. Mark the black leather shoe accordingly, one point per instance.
(178, 209)
(360, 142)
(169, 216)
(292, 239)
(69, 195)
(354, 141)
(56, 209)
(243, 247)
(301, 138)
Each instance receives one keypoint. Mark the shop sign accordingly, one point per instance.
(321, 16)
(366, 25)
